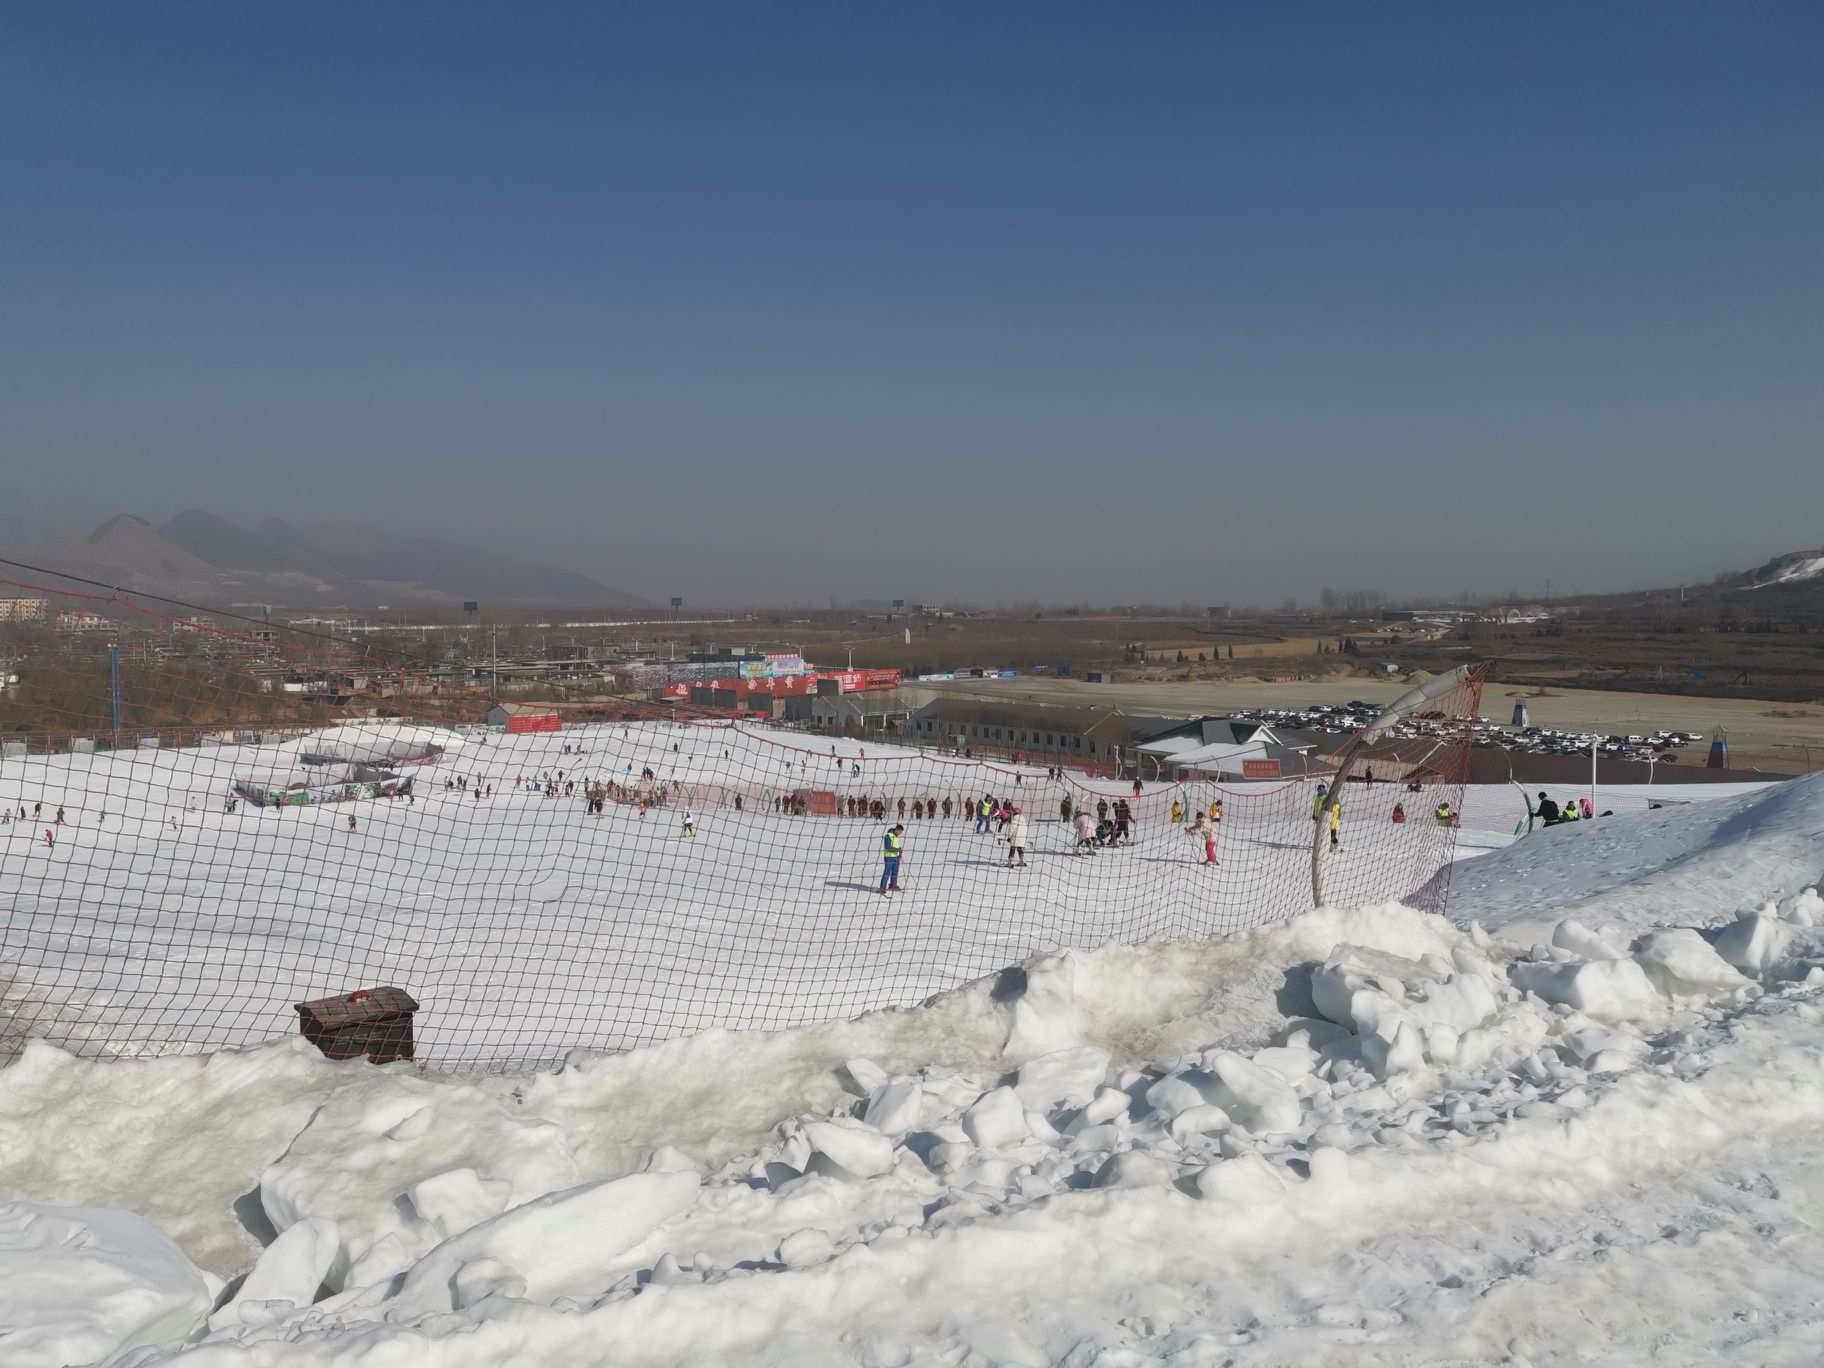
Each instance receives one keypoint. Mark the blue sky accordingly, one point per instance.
(1000, 302)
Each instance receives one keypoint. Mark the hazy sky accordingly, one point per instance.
(745, 302)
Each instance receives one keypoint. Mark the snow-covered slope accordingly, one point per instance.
(1687, 864)
(1793, 568)
(1355, 1137)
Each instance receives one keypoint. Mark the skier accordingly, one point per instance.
(1336, 822)
(1548, 810)
(1064, 807)
(1136, 786)
(1016, 839)
(1443, 815)
(892, 847)
(1085, 827)
(1201, 829)
(1124, 820)
(946, 807)
(1177, 812)
(983, 810)
(1216, 810)
(1101, 808)
(351, 821)
(690, 825)
(49, 839)
(1399, 814)
(1317, 803)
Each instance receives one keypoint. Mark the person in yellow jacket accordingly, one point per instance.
(1215, 809)
(1177, 812)
(892, 846)
(1336, 823)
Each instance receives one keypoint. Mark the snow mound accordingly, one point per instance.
(78, 1284)
(1686, 865)
(391, 1163)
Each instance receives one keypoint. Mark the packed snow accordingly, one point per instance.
(156, 918)
(1356, 1136)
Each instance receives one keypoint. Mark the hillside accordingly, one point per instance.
(202, 556)
(1793, 568)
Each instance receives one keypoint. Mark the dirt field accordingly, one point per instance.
(1765, 736)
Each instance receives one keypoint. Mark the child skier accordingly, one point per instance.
(1201, 829)
(689, 825)
(1016, 839)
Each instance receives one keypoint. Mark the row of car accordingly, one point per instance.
(1337, 719)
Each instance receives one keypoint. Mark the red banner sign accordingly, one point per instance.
(1260, 769)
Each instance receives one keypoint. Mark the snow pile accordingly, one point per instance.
(76, 1283)
(1690, 865)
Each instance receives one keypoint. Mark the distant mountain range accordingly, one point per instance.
(206, 558)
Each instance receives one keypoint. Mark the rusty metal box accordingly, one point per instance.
(376, 1022)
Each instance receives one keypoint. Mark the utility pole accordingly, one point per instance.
(494, 693)
(114, 688)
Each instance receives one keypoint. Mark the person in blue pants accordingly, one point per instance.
(892, 846)
(984, 810)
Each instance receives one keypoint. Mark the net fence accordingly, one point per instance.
(219, 836)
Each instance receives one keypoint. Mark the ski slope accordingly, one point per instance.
(526, 926)
(1368, 1136)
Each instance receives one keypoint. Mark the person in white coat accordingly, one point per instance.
(1085, 827)
(1016, 839)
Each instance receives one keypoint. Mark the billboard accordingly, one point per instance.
(1260, 769)
(792, 683)
(774, 666)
